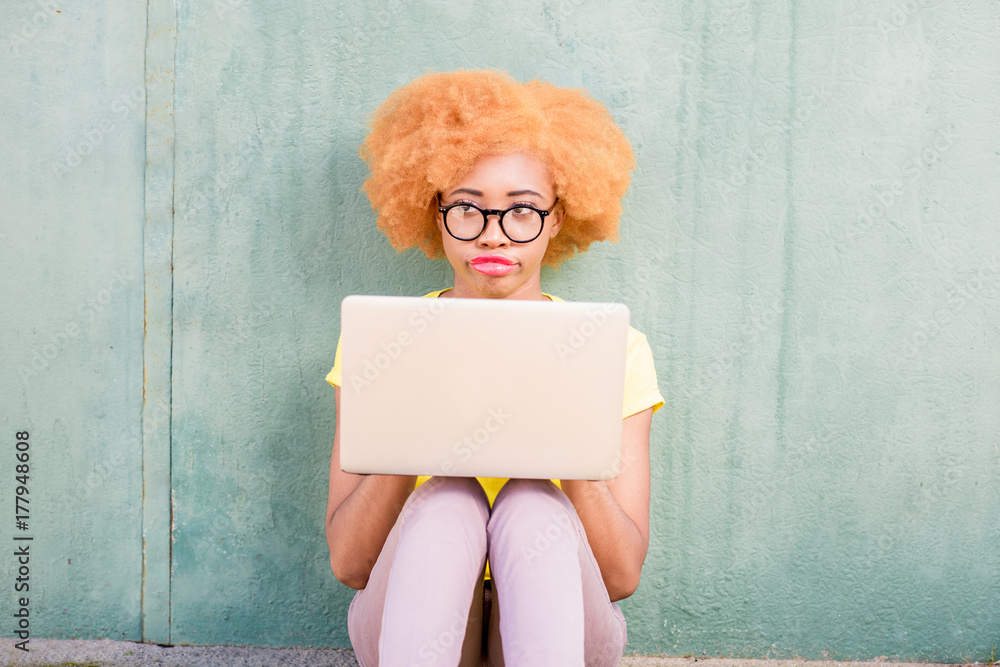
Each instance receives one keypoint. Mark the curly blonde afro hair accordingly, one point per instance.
(430, 132)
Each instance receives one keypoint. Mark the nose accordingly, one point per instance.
(493, 236)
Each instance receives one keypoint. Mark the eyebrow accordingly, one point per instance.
(512, 193)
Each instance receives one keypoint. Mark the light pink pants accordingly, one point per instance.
(423, 602)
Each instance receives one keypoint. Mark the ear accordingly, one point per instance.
(438, 216)
(557, 220)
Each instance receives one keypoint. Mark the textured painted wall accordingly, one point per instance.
(71, 206)
(810, 242)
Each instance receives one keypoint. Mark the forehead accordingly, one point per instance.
(511, 172)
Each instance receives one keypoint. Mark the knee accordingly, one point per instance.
(533, 510)
(531, 496)
(455, 503)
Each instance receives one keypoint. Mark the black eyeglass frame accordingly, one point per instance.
(487, 212)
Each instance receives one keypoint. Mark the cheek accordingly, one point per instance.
(452, 249)
(446, 239)
(537, 251)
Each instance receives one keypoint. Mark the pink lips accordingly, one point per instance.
(493, 265)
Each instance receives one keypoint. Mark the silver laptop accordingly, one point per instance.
(482, 387)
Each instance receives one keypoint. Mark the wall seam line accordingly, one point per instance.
(157, 519)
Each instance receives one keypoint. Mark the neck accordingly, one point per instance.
(529, 291)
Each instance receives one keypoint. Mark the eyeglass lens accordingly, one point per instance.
(468, 222)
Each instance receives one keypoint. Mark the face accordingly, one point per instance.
(493, 266)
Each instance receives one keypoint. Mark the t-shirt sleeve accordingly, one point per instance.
(334, 377)
(641, 390)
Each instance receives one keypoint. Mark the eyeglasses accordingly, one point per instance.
(521, 223)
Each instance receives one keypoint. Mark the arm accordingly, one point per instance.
(360, 512)
(615, 513)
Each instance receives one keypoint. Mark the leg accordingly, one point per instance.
(549, 596)
(416, 605)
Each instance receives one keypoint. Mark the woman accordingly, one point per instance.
(500, 178)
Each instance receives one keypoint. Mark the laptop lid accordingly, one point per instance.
(482, 387)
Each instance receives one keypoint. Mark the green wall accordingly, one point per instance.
(811, 243)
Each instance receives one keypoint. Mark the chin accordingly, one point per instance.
(494, 288)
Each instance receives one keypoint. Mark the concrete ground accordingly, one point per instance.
(107, 653)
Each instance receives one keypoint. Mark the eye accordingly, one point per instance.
(463, 207)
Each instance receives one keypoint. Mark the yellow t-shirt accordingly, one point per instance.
(641, 389)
